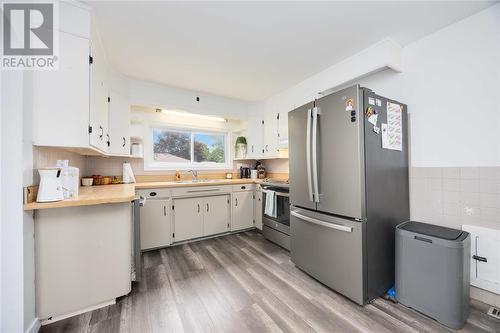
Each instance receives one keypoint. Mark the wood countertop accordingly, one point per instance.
(107, 194)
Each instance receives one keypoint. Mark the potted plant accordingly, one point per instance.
(240, 147)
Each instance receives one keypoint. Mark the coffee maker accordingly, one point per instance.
(244, 172)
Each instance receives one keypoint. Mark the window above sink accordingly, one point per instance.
(174, 148)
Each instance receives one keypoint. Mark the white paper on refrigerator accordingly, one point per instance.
(394, 126)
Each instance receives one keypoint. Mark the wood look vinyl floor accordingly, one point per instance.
(243, 283)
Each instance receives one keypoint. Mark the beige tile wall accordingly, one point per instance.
(456, 196)
(47, 157)
(112, 166)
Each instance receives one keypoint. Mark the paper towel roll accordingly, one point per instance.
(128, 174)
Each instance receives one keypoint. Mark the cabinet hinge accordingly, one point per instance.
(109, 99)
(91, 59)
(90, 129)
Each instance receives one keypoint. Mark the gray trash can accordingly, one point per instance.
(433, 271)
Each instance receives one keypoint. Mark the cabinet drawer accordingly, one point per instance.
(200, 190)
(243, 187)
(155, 193)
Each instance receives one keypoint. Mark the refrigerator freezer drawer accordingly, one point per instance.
(330, 249)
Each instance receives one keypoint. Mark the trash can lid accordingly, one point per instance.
(432, 230)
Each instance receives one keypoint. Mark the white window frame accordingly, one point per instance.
(151, 165)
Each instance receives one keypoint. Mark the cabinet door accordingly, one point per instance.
(216, 215)
(258, 209)
(61, 97)
(242, 210)
(155, 224)
(255, 132)
(119, 124)
(283, 128)
(271, 134)
(99, 137)
(188, 218)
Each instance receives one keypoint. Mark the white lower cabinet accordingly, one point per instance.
(243, 210)
(155, 224)
(216, 215)
(188, 218)
(257, 211)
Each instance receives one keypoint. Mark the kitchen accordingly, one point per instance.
(165, 181)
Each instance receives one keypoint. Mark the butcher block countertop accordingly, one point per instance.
(108, 194)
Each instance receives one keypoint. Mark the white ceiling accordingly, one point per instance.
(252, 50)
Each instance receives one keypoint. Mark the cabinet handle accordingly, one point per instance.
(267, 147)
(198, 208)
(108, 142)
(236, 201)
(252, 148)
(102, 132)
(164, 210)
(208, 208)
(124, 141)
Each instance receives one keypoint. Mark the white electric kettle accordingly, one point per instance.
(50, 188)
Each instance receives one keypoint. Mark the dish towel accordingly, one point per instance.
(270, 206)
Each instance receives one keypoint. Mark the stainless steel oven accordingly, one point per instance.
(276, 225)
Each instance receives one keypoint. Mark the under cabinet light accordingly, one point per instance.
(192, 115)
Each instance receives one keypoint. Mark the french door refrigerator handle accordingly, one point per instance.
(315, 114)
(321, 223)
(308, 156)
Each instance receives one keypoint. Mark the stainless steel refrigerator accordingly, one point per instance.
(349, 188)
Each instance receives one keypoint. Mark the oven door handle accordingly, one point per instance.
(282, 194)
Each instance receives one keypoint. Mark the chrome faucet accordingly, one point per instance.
(195, 174)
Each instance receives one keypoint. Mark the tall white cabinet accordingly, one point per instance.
(71, 105)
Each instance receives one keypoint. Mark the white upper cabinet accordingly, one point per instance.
(267, 134)
(99, 94)
(61, 97)
(70, 104)
(283, 129)
(254, 136)
(271, 135)
(119, 124)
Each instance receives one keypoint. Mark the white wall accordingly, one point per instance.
(450, 81)
(17, 292)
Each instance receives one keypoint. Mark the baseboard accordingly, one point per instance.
(485, 296)
(76, 313)
(35, 326)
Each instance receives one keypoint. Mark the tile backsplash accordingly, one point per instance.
(455, 196)
(44, 157)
